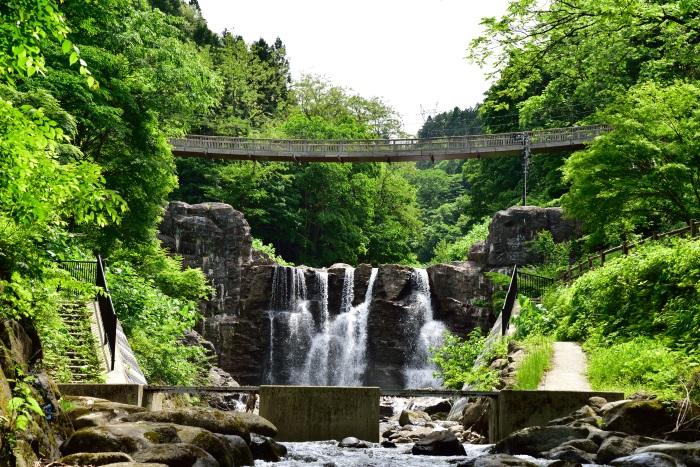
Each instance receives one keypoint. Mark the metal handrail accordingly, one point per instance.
(533, 285)
(510, 301)
(94, 272)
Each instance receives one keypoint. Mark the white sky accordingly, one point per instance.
(410, 53)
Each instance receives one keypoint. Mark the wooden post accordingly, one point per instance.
(602, 258)
(625, 250)
(693, 228)
(590, 262)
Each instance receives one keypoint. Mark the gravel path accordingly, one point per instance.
(568, 371)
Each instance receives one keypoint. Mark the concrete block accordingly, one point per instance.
(316, 413)
(124, 393)
(521, 409)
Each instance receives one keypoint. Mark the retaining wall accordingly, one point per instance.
(515, 410)
(305, 413)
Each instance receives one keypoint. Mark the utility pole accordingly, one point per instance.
(526, 165)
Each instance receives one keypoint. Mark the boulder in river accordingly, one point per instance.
(497, 460)
(536, 440)
(266, 449)
(413, 417)
(650, 459)
(439, 443)
(352, 442)
(639, 417)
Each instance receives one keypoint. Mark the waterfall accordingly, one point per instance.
(290, 322)
(321, 348)
(428, 332)
(339, 351)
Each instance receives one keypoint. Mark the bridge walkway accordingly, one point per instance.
(385, 150)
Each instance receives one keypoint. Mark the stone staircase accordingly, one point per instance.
(82, 357)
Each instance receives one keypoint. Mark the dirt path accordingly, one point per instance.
(568, 370)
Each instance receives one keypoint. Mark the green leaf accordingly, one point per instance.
(73, 58)
(66, 46)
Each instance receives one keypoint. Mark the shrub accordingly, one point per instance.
(655, 291)
(457, 360)
(155, 324)
(534, 318)
(269, 250)
(459, 249)
(640, 365)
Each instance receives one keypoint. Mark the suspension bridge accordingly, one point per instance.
(386, 150)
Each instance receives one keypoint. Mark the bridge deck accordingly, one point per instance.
(384, 150)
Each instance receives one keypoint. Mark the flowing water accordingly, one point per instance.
(327, 454)
(420, 370)
(310, 345)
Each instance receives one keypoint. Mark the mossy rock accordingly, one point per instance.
(123, 437)
(24, 455)
(135, 464)
(136, 437)
(176, 455)
(640, 417)
(217, 421)
(95, 458)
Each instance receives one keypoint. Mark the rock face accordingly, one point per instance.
(512, 229)
(216, 238)
(461, 296)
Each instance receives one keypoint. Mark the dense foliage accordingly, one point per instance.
(465, 362)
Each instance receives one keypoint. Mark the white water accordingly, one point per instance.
(338, 352)
(420, 370)
(327, 454)
(323, 349)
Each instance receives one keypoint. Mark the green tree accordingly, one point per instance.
(645, 173)
(154, 85)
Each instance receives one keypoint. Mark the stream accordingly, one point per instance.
(328, 454)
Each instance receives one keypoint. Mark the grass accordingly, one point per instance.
(538, 355)
(641, 365)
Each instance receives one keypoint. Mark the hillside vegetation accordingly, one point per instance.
(90, 92)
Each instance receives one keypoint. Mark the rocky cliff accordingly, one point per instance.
(217, 238)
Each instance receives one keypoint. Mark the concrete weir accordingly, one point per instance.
(317, 413)
(514, 410)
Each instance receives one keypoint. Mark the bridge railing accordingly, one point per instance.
(389, 146)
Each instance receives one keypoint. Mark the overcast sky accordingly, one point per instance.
(410, 53)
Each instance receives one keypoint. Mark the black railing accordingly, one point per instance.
(93, 272)
(511, 296)
(83, 271)
(532, 285)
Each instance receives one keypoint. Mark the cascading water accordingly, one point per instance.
(338, 352)
(290, 321)
(323, 349)
(419, 372)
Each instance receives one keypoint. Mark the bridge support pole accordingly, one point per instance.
(526, 165)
